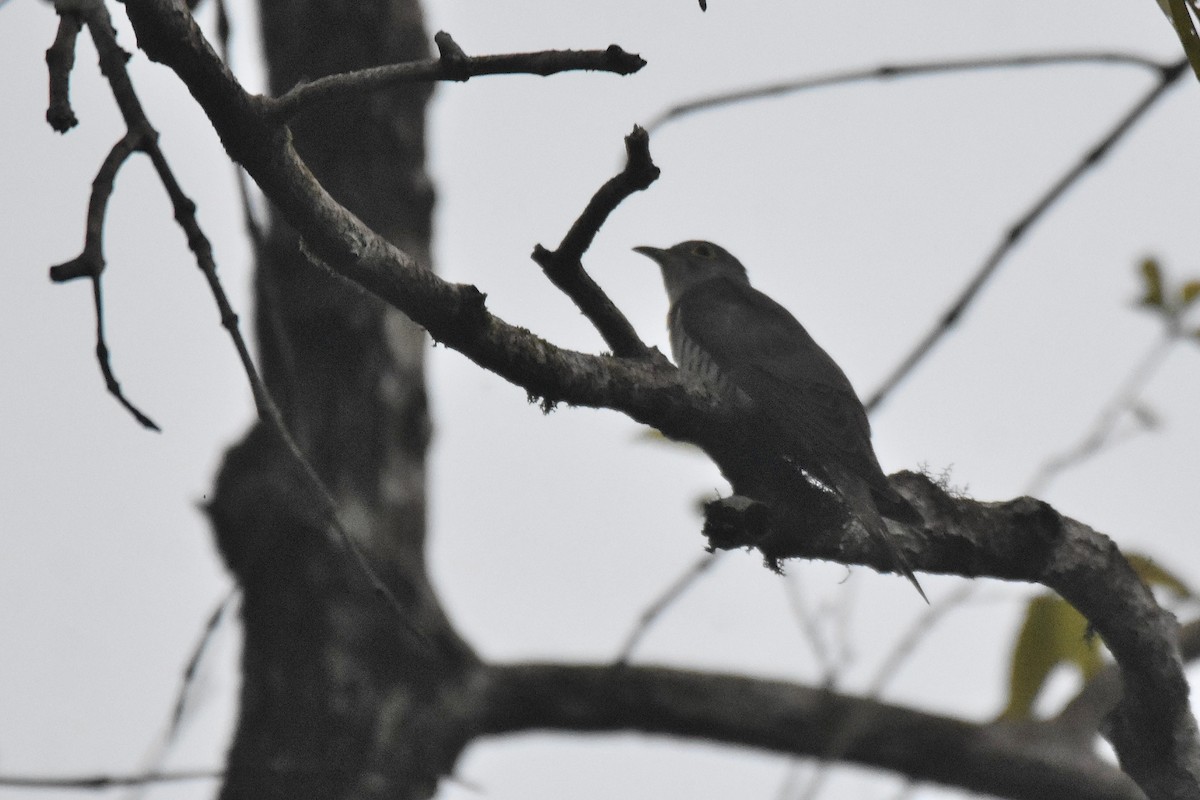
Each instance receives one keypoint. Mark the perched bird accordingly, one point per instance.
(796, 405)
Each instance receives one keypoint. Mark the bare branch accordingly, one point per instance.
(90, 263)
(564, 266)
(1168, 75)
(102, 356)
(97, 782)
(1152, 728)
(192, 668)
(1083, 717)
(891, 71)
(1102, 429)
(830, 665)
(454, 314)
(142, 136)
(452, 65)
(847, 730)
(791, 719)
(664, 601)
(60, 60)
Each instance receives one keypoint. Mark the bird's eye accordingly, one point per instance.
(704, 251)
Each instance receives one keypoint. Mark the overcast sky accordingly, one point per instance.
(863, 209)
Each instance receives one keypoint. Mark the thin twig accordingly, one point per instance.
(60, 60)
(1101, 433)
(889, 71)
(145, 138)
(1168, 75)
(264, 403)
(669, 596)
(830, 667)
(564, 267)
(192, 669)
(94, 782)
(90, 264)
(843, 738)
(102, 356)
(451, 65)
(158, 751)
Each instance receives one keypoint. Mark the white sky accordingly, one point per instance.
(862, 209)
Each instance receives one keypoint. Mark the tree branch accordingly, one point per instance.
(141, 136)
(1168, 76)
(1081, 719)
(564, 266)
(454, 314)
(892, 72)
(452, 65)
(98, 782)
(1152, 728)
(794, 720)
(60, 60)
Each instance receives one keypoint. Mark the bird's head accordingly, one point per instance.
(688, 264)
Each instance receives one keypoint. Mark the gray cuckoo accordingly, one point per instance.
(799, 412)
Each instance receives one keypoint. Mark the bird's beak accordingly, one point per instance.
(655, 253)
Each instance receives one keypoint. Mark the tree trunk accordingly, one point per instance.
(338, 695)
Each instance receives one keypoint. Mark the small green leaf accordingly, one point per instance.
(1188, 293)
(1152, 284)
(1054, 634)
(1154, 575)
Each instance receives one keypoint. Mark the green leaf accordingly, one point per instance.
(1152, 284)
(1188, 293)
(1154, 575)
(1181, 20)
(1054, 634)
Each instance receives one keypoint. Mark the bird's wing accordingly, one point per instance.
(801, 392)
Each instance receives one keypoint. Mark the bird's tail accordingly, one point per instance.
(857, 495)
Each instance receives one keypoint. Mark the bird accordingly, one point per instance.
(797, 407)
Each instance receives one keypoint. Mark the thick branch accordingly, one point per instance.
(1084, 716)
(794, 720)
(1152, 728)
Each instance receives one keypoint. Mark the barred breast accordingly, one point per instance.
(697, 365)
